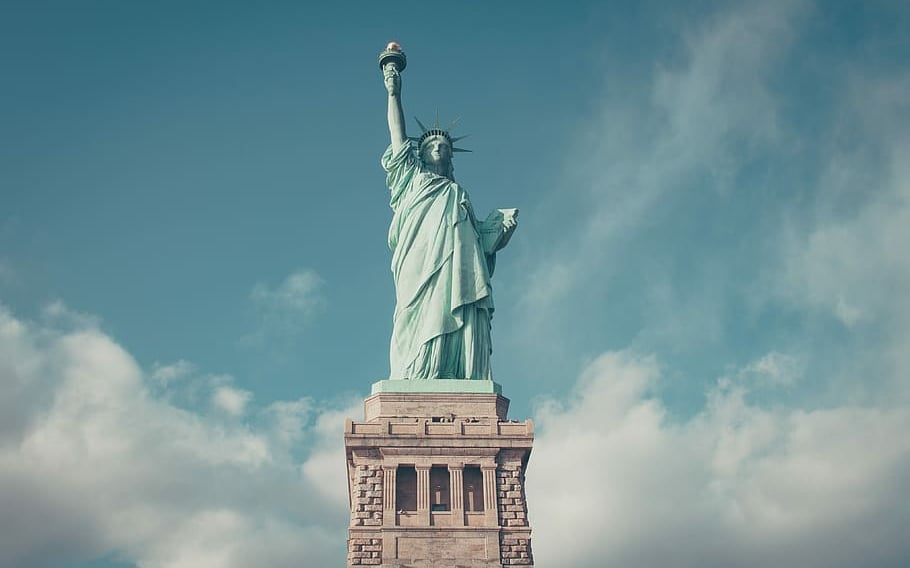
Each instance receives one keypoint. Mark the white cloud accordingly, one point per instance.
(282, 310)
(288, 419)
(774, 369)
(300, 292)
(167, 374)
(816, 260)
(703, 115)
(852, 267)
(326, 464)
(58, 314)
(616, 479)
(852, 263)
(614, 482)
(231, 400)
(91, 461)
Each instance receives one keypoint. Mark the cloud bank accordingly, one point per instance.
(731, 220)
(95, 458)
(615, 481)
(92, 460)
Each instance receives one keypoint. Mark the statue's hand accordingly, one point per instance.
(392, 79)
(510, 221)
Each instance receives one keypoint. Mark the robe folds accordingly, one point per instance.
(441, 326)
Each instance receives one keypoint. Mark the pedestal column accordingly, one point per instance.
(423, 495)
(490, 506)
(456, 485)
(389, 479)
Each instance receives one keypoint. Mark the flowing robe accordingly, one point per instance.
(441, 326)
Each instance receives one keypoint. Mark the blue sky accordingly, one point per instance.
(704, 308)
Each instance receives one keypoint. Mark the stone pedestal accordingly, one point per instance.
(436, 478)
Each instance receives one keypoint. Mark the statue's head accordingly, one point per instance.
(435, 148)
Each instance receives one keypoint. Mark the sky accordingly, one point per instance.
(704, 309)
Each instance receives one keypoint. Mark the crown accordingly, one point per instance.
(437, 131)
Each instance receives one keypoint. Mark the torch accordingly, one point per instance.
(392, 55)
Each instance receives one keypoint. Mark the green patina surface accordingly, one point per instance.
(438, 386)
(443, 257)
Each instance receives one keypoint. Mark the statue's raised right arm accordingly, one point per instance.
(397, 132)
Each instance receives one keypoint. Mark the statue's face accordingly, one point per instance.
(436, 150)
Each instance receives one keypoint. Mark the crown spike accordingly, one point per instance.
(437, 131)
(452, 124)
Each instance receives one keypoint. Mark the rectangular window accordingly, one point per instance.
(439, 489)
(406, 488)
(473, 489)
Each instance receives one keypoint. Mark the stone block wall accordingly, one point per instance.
(515, 544)
(515, 551)
(365, 551)
(366, 511)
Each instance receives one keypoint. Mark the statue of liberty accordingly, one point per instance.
(442, 256)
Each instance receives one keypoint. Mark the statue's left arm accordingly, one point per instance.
(509, 224)
(496, 230)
